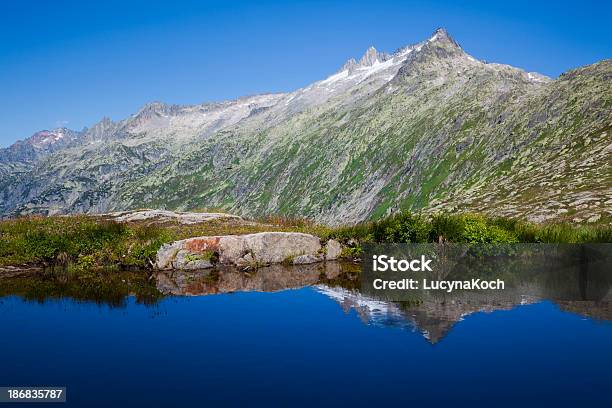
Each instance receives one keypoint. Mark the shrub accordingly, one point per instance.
(446, 228)
(403, 227)
(476, 229)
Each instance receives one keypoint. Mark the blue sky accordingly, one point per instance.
(69, 64)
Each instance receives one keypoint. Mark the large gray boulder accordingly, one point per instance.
(241, 250)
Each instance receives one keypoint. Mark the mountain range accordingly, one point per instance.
(426, 128)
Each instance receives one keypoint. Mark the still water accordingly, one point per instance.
(301, 336)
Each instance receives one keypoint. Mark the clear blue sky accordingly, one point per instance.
(71, 63)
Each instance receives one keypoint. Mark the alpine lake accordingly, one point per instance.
(304, 336)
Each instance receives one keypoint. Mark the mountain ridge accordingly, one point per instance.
(368, 59)
(447, 125)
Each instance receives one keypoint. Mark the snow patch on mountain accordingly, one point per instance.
(47, 137)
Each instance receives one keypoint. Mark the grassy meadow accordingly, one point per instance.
(83, 242)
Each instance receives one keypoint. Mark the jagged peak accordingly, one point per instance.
(440, 45)
(369, 58)
(440, 37)
(350, 64)
(157, 108)
(104, 123)
(439, 34)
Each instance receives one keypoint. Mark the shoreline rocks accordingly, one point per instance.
(245, 251)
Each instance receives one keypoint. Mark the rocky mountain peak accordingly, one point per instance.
(442, 39)
(439, 46)
(369, 58)
(440, 35)
(156, 108)
(101, 130)
(39, 144)
(350, 64)
(45, 137)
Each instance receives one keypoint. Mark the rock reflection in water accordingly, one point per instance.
(226, 280)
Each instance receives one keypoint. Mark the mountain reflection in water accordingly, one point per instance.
(433, 314)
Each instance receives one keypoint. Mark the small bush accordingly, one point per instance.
(477, 229)
(446, 228)
(403, 227)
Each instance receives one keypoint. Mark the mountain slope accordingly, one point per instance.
(428, 127)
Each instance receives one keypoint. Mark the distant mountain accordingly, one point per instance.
(37, 145)
(427, 127)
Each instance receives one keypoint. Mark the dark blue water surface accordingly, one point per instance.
(300, 348)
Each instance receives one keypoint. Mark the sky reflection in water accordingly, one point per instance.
(323, 344)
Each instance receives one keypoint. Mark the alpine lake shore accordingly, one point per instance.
(111, 256)
(131, 240)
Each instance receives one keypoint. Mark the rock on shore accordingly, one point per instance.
(251, 250)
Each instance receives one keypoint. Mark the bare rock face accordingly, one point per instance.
(241, 250)
(165, 255)
(369, 58)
